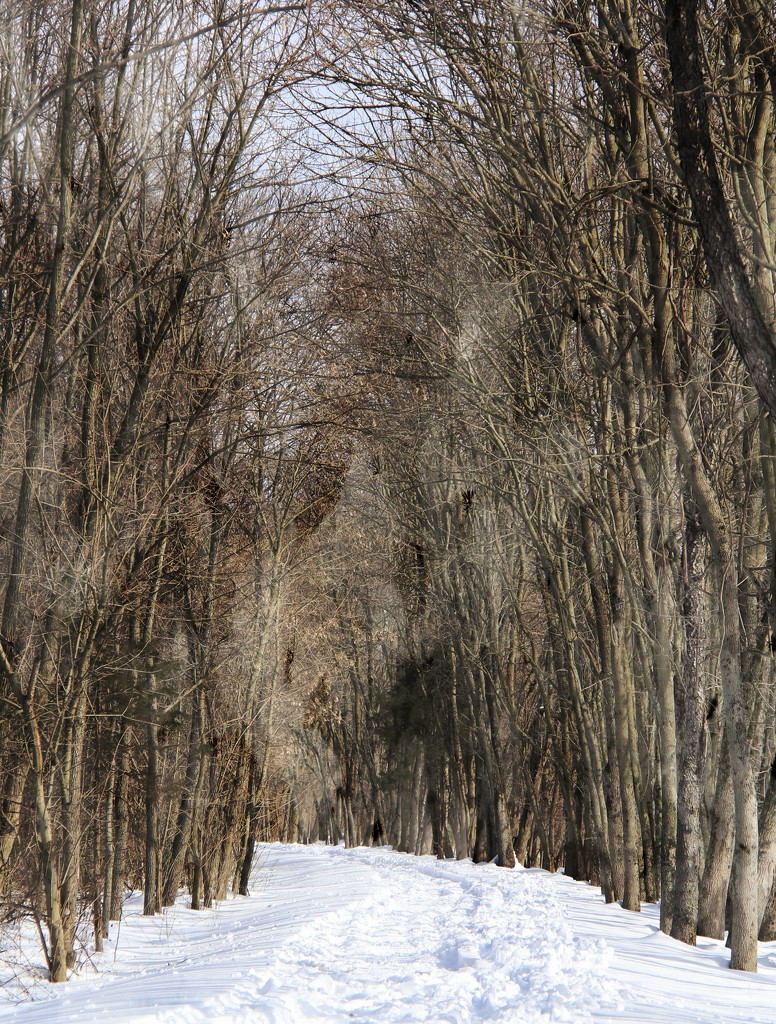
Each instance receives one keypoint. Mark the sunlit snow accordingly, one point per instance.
(370, 935)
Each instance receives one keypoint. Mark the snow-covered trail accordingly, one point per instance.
(374, 936)
(194, 966)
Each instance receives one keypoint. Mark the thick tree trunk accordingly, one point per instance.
(691, 708)
(719, 855)
(767, 852)
(631, 899)
(417, 803)
(173, 873)
(234, 803)
(660, 607)
(745, 909)
(768, 923)
(501, 828)
(712, 518)
(249, 843)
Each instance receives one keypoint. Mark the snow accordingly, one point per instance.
(370, 935)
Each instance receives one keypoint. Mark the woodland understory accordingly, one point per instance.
(386, 447)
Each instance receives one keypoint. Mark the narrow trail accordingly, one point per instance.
(374, 936)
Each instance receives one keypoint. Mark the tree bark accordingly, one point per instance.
(173, 872)
(712, 518)
(121, 817)
(690, 705)
(748, 327)
(719, 855)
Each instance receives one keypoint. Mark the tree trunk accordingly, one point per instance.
(748, 326)
(151, 895)
(249, 845)
(744, 897)
(13, 795)
(121, 815)
(631, 899)
(719, 855)
(173, 873)
(57, 946)
(690, 705)
(767, 853)
(109, 847)
(72, 782)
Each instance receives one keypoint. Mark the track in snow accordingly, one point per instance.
(375, 936)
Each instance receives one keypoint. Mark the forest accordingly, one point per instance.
(387, 447)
